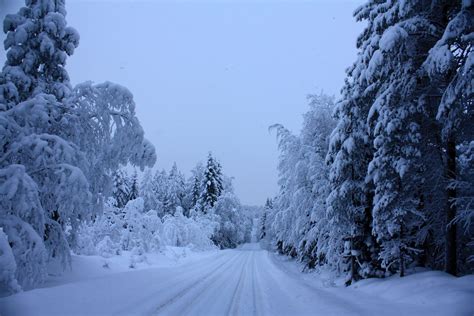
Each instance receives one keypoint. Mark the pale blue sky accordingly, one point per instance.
(213, 75)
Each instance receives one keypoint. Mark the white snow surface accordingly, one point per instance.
(242, 281)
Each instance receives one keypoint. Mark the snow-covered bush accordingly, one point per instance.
(28, 249)
(8, 282)
(196, 232)
(106, 247)
(120, 229)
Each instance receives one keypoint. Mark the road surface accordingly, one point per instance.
(243, 281)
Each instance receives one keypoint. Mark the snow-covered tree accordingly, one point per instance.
(120, 188)
(175, 190)
(8, 281)
(213, 184)
(263, 219)
(149, 191)
(109, 134)
(38, 42)
(130, 229)
(450, 68)
(50, 140)
(194, 232)
(35, 135)
(232, 222)
(23, 221)
(297, 221)
(133, 180)
(194, 189)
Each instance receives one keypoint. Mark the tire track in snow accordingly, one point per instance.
(178, 295)
(209, 287)
(170, 284)
(236, 295)
(256, 299)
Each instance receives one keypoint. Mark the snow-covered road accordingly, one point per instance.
(244, 281)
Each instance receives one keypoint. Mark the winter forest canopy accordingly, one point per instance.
(378, 181)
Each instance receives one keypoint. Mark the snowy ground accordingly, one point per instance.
(244, 281)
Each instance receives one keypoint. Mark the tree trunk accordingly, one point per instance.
(451, 245)
(402, 254)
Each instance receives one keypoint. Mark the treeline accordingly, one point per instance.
(165, 209)
(387, 182)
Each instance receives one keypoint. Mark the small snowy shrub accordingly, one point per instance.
(106, 247)
(121, 229)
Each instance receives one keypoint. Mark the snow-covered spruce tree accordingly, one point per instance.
(194, 188)
(213, 184)
(36, 131)
(349, 204)
(450, 67)
(175, 190)
(120, 188)
(133, 180)
(161, 181)
(262, 233)
(405, 132)
(149, 191)
(37, 44)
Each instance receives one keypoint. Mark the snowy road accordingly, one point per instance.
(244, 281)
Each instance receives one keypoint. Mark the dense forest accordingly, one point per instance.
(386, 182)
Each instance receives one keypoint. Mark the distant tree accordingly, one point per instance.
(149, 191)
(213, 183)
(121, 188)
(134, 186)
(175, 190)
(263, 219)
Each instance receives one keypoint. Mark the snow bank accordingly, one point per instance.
(421, 293)
(444, 293)
(93, 267)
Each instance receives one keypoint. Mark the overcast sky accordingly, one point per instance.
(213, 75)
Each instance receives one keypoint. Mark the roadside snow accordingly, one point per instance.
(243, 281)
